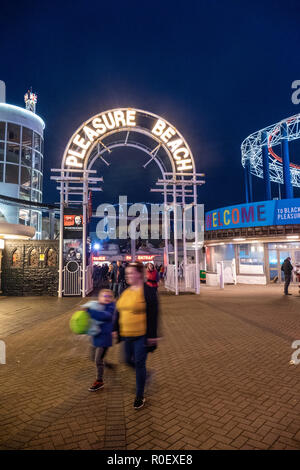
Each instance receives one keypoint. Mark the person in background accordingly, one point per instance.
(110, 276)
(101, 313)
(136, 324)
(161, 272)
(124, 283)
(95, 276)
(118, 278)
(105, 271)
(152, 277)
(287, 269)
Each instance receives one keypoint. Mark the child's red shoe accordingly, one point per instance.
(96, 386)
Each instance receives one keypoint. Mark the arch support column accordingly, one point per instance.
(288, 188)
(248, 182)
(266, 168)
(246, 179)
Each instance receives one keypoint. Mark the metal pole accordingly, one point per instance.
(67, 190)
(221, 264)
(1, 271)
(132, 243)
(196, 240)
(166, 225)
(184, 239)
(250, 181)
(288, 188)
(84, 207)
(266, 169)
(51, 225)
(61, 241)
(175, 239)
(246, 182)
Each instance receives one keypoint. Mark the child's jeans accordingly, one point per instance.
(97, 355)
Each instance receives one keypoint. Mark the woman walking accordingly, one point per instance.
(136, 324)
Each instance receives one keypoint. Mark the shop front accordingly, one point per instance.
(252, 262)
(277, 253)
(252, 241)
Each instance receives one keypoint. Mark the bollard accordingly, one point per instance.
(2, 352)
(222, 275)
(220, 271)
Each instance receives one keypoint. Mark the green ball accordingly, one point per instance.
(80, 322)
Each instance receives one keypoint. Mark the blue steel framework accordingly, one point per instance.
(259, 158)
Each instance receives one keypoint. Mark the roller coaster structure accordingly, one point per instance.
(260, 159)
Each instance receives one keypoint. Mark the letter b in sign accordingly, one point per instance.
(159, 127)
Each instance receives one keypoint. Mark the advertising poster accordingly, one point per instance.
(73, 223)
(72, 251)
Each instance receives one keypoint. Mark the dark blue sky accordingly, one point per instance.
(217, 70)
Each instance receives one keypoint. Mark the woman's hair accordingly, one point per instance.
(138, 266)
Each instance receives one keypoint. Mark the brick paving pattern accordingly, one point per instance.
(222, 377)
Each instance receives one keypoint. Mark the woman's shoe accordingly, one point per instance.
(139, 402)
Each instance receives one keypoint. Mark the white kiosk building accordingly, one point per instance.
(21, 160)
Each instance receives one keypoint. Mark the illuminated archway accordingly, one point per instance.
(135, 128)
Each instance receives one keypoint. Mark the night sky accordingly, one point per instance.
(217, 70)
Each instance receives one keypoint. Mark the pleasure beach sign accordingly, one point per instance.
(97, 128)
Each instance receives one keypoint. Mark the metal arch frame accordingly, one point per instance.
(251, 150)
(116, 145)
(90, 159)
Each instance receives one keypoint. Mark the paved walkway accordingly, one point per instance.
(223, 378)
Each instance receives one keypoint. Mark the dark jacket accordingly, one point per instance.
(287, 267)
(118, 274)
(151, 300)
(103, 315)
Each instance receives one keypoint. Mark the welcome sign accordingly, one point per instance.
(282, 212)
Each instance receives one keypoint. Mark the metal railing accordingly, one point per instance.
(170, 277)
(89, 279)
(190, 277)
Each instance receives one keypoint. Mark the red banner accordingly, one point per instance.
(141, 257)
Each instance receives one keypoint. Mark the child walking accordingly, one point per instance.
(101, 313)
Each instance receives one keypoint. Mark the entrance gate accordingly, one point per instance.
(72, 276)
(95, 139)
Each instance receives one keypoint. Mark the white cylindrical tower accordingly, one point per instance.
(21, 163)
(2, 92)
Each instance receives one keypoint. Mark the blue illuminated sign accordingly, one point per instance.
(283, 212)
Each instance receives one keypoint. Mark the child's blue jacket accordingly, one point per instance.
(103, 314)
